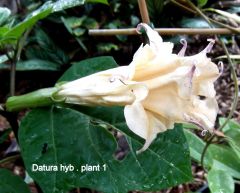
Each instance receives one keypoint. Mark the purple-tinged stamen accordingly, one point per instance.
(183, 50)
(193, 121)
(220, 63)
(209, 46)
(190, 77)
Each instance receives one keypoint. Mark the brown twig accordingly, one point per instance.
(165, 31)
(143, 11)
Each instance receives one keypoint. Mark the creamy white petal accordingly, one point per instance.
(137, 119)
(145, 124)
(155, 41)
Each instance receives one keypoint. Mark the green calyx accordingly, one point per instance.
(40, 98)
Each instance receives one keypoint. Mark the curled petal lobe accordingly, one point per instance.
(145, 123)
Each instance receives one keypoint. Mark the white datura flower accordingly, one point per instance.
(158, 88)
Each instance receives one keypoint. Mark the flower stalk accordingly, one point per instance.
(39, 98)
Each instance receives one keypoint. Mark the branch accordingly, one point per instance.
(143, 11)
(166, 31)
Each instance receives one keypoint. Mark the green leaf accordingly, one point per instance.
(107, 47)
(65, 4)
(49, 7)
(217, 156)
(232, 131)
(98, 1)
(4, 14)
(87, 67)
(11, 183)
(201, 3)
(225, 159)
(47, 135)
(16, 32)
(196, 146)
(154, 7)
(3, 31)
(194, 23)
(34, 64)
(5, 135)
(42, 47)
(72, 22)
(220, 181)
(3, 59)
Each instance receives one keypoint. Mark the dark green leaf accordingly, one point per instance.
(4, 14)
(72, 22)
(232, 131)
(97, 1)
(43, 48)
(107, 47)
(220, 181)
(65, 4)
(49, 7)
(154, 7)
(87, 67)
(225, 159)
(201, 3)
(57, 130)
(90, 23)
(194, 23)
(11, 183)
(79, 31)
(5, 135)
(17, 31)
(219, 157)
(3, 59)
(34, 64)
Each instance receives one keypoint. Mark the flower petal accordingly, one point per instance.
(106, 88)
(145, 123)
(155, 40)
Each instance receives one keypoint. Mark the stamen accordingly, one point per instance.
(209, 46)
(220, 63)
(188, 80)
(114, 78)
(122, 82)
(183, 50)
(191, 73)
(193, 121)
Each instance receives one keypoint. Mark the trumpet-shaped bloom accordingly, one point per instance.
(158, 88)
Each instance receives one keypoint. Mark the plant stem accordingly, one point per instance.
(144, 11)
(183, 6)
(9, 159)
(167, 31)
(14, 61)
